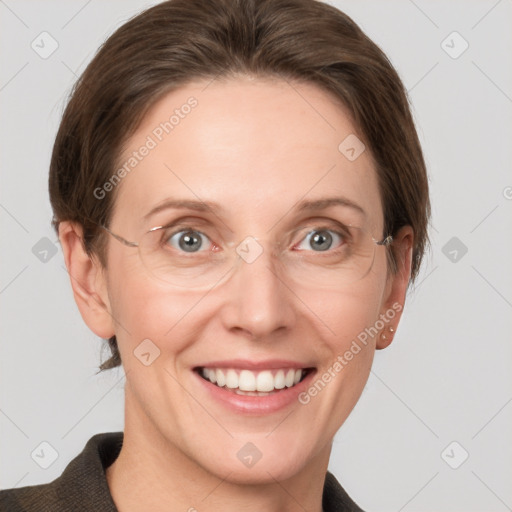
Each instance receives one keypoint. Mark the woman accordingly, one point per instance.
(242, 202)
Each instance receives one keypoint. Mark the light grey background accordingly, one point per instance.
(447, 376)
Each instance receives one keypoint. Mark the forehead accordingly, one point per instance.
(255, 146)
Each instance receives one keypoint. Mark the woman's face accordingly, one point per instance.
(257, 149)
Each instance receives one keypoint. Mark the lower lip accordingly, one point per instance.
(256, 404)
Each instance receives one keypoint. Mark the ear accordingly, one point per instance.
(88, 281)
(396, 286)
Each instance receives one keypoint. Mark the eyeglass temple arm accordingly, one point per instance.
(120, 238)
(385, 241)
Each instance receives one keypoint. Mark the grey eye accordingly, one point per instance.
(320, 240)
(187, 240)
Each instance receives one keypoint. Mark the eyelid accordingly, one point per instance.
(183, 228)
(328, 225)
(183, 224)
(341, 233)
(192, 223)
(186, 221)
(213, 245)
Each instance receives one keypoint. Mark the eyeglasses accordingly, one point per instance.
(325, 257)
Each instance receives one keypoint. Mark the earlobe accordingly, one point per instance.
(385, 337)
(88, 281)
(396, 287)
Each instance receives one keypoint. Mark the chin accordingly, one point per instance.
(252, 466)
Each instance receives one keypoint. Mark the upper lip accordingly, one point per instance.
(244, 364)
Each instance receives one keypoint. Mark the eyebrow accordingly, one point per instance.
(305, 205)
(183, 204)
(327, 202)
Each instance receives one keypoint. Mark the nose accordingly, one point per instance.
(260, 301)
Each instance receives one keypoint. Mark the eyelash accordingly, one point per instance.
(340, 231)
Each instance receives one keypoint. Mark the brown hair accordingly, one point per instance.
(178, 41)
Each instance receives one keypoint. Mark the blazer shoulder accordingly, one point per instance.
(81, 486)
(32, 498)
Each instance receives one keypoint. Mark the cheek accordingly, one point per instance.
(353, 344)
(144, 308)
(350, 319)
(345, 348)
(348, 313)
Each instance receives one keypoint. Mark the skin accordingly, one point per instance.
(255, 146)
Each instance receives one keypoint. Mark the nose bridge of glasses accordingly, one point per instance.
(251, 248)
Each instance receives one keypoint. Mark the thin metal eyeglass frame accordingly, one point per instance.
(386, 241)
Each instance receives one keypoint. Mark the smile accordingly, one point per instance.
(254, 383)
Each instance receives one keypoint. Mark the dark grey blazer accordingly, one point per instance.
(83, 485)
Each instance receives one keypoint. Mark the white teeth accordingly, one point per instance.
(288, 380)
(264, 381)
(221, 379)
(231, 379)
(279, 380)
(246, 381)
(253, 382)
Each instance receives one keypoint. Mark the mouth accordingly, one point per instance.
(253, 383)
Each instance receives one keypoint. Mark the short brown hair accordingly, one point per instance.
(178, 41)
